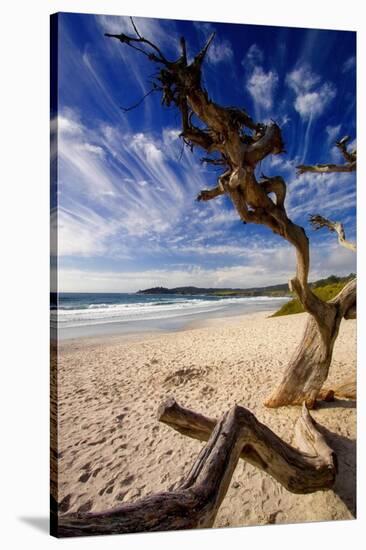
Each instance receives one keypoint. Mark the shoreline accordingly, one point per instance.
(138, 336)
(113, 449)
(159, 315)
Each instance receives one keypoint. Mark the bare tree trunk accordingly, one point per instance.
(196, 501)
(308, 368)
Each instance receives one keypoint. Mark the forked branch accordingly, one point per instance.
(349, 166)
(196, 500)
(318, 222)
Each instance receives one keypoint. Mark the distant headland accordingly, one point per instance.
(273, 290)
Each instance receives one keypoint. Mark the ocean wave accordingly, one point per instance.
(94, 314)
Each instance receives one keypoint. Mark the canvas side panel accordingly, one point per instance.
(54, 447)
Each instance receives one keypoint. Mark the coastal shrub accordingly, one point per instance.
(326, 292)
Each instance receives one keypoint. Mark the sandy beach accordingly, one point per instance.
(112, 449)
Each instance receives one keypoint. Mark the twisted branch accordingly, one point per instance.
(197, 499)
(349, 166)
(318, 222)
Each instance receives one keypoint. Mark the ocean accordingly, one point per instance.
(91, 314)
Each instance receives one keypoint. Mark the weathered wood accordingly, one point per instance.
(347, 389)
(319, 222)
(308, 368)
(326, 168)
(305, 469)
(349, 166)
(196, 501)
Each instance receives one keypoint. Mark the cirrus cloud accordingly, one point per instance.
(261, 86)
(311, 96)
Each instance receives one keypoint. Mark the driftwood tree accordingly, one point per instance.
(196, 500)
(348, 387)
(233, 140)
(316, 373)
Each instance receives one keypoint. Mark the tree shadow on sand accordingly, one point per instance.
(336, 404)
(345, 485)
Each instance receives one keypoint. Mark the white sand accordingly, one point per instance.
(114, 450)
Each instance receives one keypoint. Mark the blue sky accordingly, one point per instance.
(127, 215)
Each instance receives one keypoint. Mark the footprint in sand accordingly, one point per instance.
(84, 477)
(85, 507)
(92, 443)
(182, 376)
(127, 481)
(65, 504)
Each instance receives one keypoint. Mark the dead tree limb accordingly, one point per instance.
(319, 222)
(302, 470)
(347, 388)
(240, 144)
(196, 501)
(326, 168)
(309, 366)
(349, 166)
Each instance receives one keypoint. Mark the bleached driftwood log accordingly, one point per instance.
(197, 499)
(306, 468)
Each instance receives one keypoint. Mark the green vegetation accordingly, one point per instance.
(326, 289)
(251, 293)
(273, 290)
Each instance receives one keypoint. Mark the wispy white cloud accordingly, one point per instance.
(325, 259)
(333, 132)
(253, 57)
(312, 104)
(311, 96)
(83, 234)
(280, 161)
(349, 64)
(302, 79)
(135, 191)
(261, 85)
(329, 194)
(154, 30)
(220, 50)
